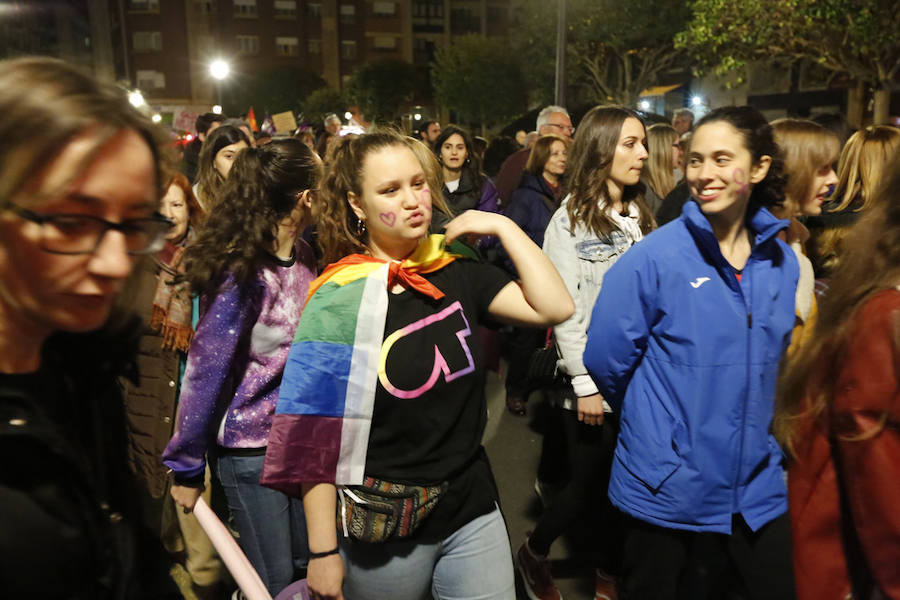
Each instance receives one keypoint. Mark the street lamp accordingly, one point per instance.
(136, 98)
(219, 69)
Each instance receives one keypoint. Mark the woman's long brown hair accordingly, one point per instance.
(588, 168)
(871, 265)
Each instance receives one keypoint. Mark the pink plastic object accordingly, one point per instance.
(295, 591)
(243, 572)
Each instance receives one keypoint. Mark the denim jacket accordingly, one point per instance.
(582, 260)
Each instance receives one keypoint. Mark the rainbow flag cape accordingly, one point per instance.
(320, 431)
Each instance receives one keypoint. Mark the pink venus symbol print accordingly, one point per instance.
(440, 363)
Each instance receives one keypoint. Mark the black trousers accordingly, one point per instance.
(590, 449)
(672, 564)
(519, 344)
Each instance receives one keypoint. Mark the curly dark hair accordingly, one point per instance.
(239, 236)
(760, 141)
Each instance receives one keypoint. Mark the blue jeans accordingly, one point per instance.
(271, 525)
(472, 563)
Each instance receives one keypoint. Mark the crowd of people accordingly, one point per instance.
(298, 331)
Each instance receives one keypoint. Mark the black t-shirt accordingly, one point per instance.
(430, 409)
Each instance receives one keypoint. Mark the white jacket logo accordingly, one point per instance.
(698, 282)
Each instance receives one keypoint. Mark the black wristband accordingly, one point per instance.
(313, 555)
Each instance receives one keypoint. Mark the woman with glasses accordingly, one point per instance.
(251, 269)
(78, 205)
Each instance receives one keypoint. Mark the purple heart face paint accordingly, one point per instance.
(718, 171)
(425, 201)
(394, 200)
(740, 178)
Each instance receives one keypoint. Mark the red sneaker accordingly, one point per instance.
(535, 571)
(606, 587)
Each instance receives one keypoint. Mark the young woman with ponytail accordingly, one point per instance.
(251, 270)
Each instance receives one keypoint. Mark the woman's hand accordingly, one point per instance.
(185, 496)
(590, 409)
(540, 298)
(477, 224)
(325, 577)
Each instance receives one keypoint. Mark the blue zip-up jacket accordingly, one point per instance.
(689, 357)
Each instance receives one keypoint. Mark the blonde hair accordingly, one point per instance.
(45, 103)
(660, 172)
(337, 223)
(805, 147)
(861, 166)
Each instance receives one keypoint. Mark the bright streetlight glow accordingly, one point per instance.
(217, 109)
(644, 105)
(156, 118)
(136, 98)
(417, 116)
(697, 100)
(348, 115)
(219, 69)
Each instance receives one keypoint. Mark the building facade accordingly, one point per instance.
(169, 44)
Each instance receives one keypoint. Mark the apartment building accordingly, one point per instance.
(169, 44)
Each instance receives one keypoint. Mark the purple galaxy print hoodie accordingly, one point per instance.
(235, 362)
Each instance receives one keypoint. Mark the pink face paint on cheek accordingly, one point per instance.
(388, 218)
(740, 178)
(425, 200)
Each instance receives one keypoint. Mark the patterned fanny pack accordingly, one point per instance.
(378, 510)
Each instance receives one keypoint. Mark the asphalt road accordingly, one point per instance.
(514, 445)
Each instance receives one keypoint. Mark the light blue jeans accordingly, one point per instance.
(472, 563)
(271, 525)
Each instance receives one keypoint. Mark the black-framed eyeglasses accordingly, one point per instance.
(82, 234)
(568, 128)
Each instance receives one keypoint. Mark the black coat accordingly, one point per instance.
(532, 205)
(68, 504)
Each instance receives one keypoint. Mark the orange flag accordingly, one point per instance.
(251, 119)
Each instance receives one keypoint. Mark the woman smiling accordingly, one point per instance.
(685, 341)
